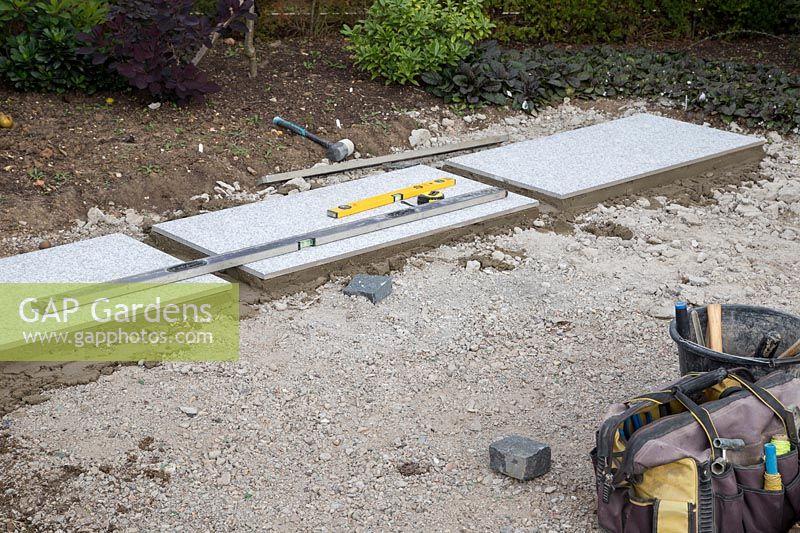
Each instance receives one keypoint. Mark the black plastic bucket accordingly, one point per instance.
(743, 327)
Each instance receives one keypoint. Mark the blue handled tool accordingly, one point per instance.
(772, 478)
(335, 151)
(770, 459)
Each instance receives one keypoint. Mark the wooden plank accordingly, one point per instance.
(382, 160)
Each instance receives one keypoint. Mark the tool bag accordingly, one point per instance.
(654, 455)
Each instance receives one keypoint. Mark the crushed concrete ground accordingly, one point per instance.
(342, 415)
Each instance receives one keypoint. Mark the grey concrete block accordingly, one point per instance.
(519, 457)
(373, 288)
(280, 217)
(615, 153)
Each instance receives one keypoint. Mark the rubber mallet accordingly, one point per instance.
(338, 151)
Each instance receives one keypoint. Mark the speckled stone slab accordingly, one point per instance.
(601, 158)
(284, 216)
(91, 261)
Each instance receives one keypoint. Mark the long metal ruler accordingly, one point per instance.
(252, 254)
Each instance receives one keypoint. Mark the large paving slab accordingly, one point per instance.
(280, 217)
(95, 260)
(591, 164)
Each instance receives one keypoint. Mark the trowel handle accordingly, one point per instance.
(294, 128)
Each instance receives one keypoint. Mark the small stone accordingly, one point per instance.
(373, 288)
(325, 456)
(95, 216)
(473, 265)
(251, 171)
(281, 306)
(154, 105)
(643, 202)
(698, 281)
(519, 457)
(226, 186)
(225, 479)
(46, 244)
(774, 137)
(213, 454)
(748, 211)
(133, 218)
(189, 411)
(690, 219)
(590, 253)
(497, 255)
(419, 137)
(448, 122)
(790, 193)
(301, 184)
(661, 310)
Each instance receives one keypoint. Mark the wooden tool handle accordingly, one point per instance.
(791, 351)
(714, 315)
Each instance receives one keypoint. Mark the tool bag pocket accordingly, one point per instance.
(654, 453)
(729, 511)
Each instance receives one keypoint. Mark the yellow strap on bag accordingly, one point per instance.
(671, 517)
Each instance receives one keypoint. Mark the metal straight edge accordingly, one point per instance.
(382, 160)
(259, 252)
(252, 254)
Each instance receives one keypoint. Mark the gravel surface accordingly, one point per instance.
(342, 415)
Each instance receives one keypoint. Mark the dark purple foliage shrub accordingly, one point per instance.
(151, 43)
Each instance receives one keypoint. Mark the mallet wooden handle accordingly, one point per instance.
(714, 314)
(791, 351)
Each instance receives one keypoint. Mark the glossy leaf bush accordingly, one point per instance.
(39, 44)
(753, 95)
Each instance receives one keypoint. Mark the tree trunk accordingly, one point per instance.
(249, 44)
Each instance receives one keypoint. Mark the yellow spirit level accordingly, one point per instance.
(390, 197)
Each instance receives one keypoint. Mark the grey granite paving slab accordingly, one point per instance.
(588, 159)
(284, 216)
(90, 261)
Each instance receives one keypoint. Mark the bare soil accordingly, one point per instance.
(89, 153)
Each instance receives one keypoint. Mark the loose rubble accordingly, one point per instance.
(343, 415)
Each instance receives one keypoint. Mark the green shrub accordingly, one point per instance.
(39, 44)
(565, 20)
(754, 95)
(621, 20)
(401, 39)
